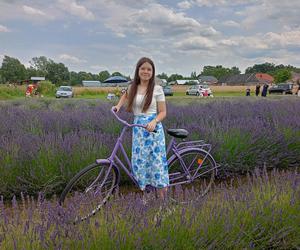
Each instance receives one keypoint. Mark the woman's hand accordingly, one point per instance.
(151, 126)
(116, 108)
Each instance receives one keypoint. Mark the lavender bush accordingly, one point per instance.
(261, 213)
(43, 143)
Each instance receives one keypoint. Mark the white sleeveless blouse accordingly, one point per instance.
(138, 103)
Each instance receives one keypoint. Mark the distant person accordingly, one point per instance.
(265, 90)
(248, 91)
(257, 89)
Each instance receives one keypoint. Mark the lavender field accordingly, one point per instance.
(260, 211)
(43, 143)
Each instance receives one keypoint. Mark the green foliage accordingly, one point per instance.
(46, 88)
(219, 71)
(194, 75)
(10, 91)
(116, 74)
(174, 77)
(261, 68)
(270, 68)
(103, 75)
(12, 70)
(58, 73)
(39, 65)
(282, 75)
(162, 76)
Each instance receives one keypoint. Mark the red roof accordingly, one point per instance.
(264, 77)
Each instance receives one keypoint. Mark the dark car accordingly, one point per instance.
(282, 88)
(168, 90)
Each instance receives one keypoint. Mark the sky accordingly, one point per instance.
(180, 36)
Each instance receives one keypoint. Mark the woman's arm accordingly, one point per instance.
(162, 113)
(121, 102)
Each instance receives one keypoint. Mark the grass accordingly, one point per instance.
(257, 212)
(7, 92)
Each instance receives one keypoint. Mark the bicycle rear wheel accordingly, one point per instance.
(88, 190)
(193, 158)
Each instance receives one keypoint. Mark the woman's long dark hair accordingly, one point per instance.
(136, 81)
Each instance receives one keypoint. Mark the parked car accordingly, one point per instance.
(282, 88)
(168, 90)
(64, 91)
(199, 90)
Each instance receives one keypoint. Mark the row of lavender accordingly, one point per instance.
(43, 143)
(261, 213)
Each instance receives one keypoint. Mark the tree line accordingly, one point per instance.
(13, 71)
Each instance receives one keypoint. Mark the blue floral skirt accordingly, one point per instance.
(149, 161)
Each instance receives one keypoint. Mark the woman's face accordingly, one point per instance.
(145, 71)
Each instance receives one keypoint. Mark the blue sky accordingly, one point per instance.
(180, 36)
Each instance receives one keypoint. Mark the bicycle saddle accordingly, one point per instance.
(178, 132)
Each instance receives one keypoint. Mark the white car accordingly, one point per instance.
(199, 90)
(64, 91)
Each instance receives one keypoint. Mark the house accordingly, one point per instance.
(207, 80)
(185, 81)
(246, 79)
(37, 78)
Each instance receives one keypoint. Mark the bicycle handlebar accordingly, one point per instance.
(126, 123)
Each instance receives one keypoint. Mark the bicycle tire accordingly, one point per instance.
(87, 197)
(207, 172)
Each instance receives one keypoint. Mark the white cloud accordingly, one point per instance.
(285, 39)
(228, 42)
(278, 12)
(156, 20)
(75, 9)
(4, 28)
(215, 3)
(231, 23)
(32, 11)
(195, 43)
(98, 68)
(184, 5)
(71, 59)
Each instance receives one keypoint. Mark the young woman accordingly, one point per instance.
(147, 102)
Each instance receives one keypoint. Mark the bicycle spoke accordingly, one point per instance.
(89, 189)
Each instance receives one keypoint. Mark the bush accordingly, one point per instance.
(46, 88)
(10, 91)
(43, 144)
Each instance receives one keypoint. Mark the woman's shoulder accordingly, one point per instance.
(158, 88)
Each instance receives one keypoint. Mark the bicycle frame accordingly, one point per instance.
(173, 147)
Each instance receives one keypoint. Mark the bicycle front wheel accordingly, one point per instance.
(88, 190)
(200, 165)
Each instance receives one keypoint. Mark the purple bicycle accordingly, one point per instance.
(93, 185)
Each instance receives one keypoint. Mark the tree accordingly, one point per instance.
(57, 73)
(219, 71)
(103, 75)
(40, 65)
(74, 78)
(174, 77)
(261, 68)
(235, 70)
(194, 75)
(12, 70)
(116, 74)
(282, 75)
(162, 76)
